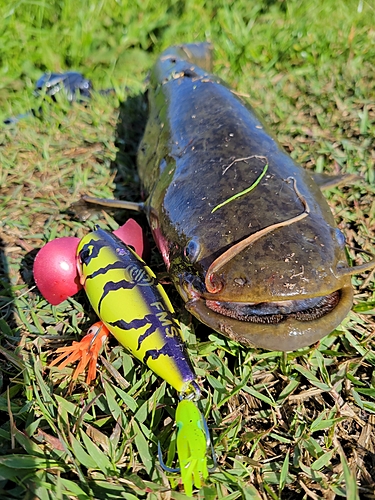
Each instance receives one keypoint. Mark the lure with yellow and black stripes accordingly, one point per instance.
(134, 307)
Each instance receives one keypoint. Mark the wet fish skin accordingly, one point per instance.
(202, 144)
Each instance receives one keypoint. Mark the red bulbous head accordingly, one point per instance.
(55, 266)
(55, 270)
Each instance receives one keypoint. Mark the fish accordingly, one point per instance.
(245, 232)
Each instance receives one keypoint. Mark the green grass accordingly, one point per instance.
(284, 426)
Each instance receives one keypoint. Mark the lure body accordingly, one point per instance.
(202, 145)
(134, 307)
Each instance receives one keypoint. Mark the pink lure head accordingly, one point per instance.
(55, 270)
(55, 266)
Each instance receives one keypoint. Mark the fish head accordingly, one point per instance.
(284, 291)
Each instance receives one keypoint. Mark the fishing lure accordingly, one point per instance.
(134, 307)
(193, 439)
(128, 300)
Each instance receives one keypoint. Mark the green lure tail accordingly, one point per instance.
(193, 439)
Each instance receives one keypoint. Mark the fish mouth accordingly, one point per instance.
(279, 325)
(276, 312)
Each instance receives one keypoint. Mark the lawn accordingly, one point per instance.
(284, 425)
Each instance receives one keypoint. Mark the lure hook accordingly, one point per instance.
(209, 445)
(162, 464)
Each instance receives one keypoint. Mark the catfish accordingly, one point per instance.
(267, 267)
(246, 235)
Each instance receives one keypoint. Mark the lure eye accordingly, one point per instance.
(192, 251)
(84, 256)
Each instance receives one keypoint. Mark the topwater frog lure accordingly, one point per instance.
(134, 307)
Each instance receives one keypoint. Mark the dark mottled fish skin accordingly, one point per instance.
(202, 144)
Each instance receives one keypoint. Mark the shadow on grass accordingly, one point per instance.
(133, 113)
(6, 297)
(130, 128)
(129, 132)
(7, 320)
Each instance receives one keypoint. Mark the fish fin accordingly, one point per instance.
(325, 181)
(199, 54)
(105, 202)
(86, 205)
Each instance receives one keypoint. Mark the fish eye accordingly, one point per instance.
(191, 251)
(340, 237)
